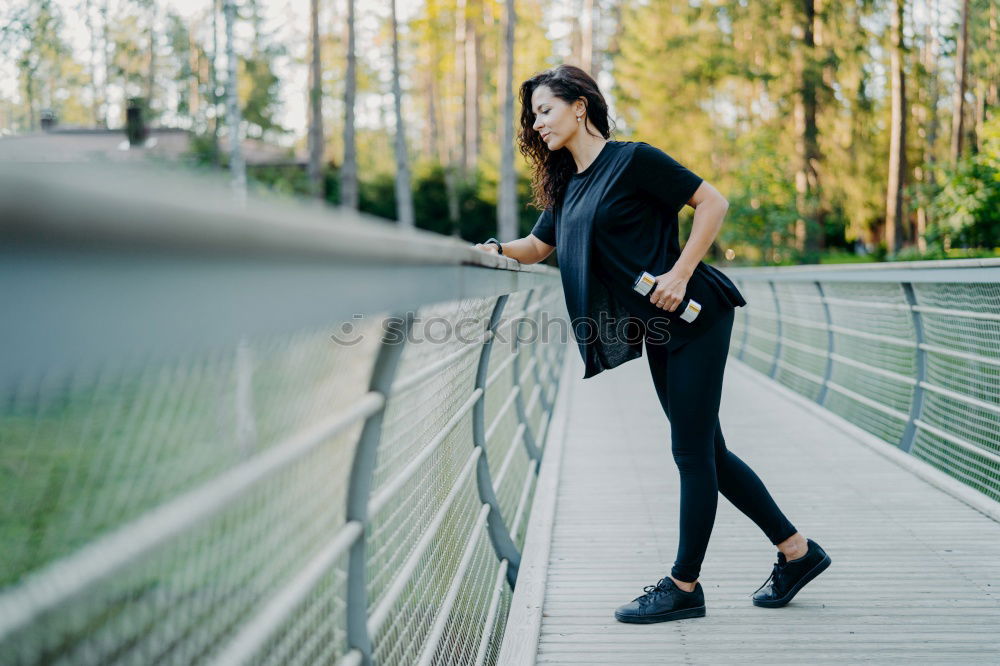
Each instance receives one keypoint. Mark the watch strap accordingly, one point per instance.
(495, 242)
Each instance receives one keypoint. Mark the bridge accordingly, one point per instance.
(285, 434)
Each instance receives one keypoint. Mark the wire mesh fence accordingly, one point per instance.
(280, 435)
(909, 352)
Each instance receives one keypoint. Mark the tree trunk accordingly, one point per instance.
(587, 37)
(431, 136)
(980, 115)
(808, 227)
(195, 54)
(961, 67)
(151, 74)
(404, 192)
(614, 40)
(894, 213)
(455, 171)
(993, 96)
(29, 93)
(213, 74)
(929, 116)
(472, 55)
(349, 169)
(461, 37)
(575, 35)
(315, 106)
(507, 209)
(237, 167)
(95, 101)
(107, 64)
(430, 54)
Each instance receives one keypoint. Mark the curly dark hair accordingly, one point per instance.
(551, 170)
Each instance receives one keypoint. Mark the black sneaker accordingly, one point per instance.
(663, 602)
(787, 578)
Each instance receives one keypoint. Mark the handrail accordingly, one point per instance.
(253, 381)
(904, 350)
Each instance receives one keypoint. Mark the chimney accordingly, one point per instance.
(135, 128)
(47, 119)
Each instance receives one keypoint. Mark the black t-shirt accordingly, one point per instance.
(617, 218)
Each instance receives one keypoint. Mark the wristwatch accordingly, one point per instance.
(495, 242)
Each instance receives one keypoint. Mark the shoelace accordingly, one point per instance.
(651, 590)
(775, 570)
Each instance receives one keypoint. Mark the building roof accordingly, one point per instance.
(104, 145)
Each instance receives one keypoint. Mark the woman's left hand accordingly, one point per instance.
(669, 291)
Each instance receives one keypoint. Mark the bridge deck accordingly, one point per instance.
(915, 573)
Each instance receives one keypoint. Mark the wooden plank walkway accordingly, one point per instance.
(915, 574)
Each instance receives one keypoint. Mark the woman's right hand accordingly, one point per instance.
(486, 247)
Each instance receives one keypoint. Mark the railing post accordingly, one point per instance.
(397, 329)
(537, 372)
(503, 544)
(917, 403)
(828, 372)
(777, 320)
(746, 326)
(522, 416)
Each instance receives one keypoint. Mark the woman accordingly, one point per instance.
(611, 209)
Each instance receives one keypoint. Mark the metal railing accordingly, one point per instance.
(275, 435)
(909, 351)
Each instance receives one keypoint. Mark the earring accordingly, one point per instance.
(579, 118)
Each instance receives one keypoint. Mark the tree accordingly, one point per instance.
(894, 211)
(349, 168)
(49, 78)
(315, 105)
(151, 86)
(108, 55)
(961, 66)
(928, 130)
(404, 190)
(809, 225)
(95, 99)
(259, 85)
(471, 125)
(214, 97)
(455, 170)
(507, 205)
(587, 37)
(237, 167)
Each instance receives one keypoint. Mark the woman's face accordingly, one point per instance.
(555, 120)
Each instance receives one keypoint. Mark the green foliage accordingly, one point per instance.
(967, 209)
(377, 195)
(260, 95)
(761, 215)
(477, 215)
(32, 39)
(842, 256)
(289, 180)
(718, 85)
(179, 38)
(203, 151)
(259, 85)
(430, 200)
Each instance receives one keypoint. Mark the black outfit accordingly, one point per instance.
(689, 384)
(617, 218)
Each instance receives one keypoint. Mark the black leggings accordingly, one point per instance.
(688, 382)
